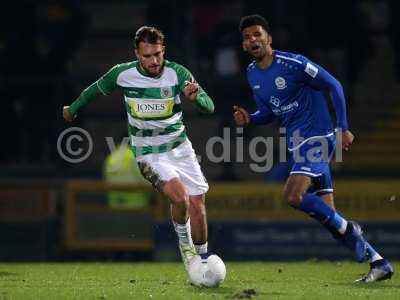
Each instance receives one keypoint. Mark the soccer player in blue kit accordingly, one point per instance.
(290, 87)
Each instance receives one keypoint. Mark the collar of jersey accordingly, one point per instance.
(272, 63)
(144, 73)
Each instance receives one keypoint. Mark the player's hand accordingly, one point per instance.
(347, 139)
(67, 115)
(191, 89)
(241, 116)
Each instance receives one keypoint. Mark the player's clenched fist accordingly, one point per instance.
(67, 115)
(191, 89)
(347, 139)
(241, 116)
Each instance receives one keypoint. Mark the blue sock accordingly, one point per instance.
(319, 210)
(334, 222)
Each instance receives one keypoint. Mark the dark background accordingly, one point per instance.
(51, 50)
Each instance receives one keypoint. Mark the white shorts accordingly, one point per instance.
(180, 162)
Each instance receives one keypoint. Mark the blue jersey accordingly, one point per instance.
(291, 89)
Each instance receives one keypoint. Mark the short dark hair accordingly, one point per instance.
(252, 20)
(147, 34)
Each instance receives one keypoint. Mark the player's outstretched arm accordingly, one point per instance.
(88, 95)
(104, 86)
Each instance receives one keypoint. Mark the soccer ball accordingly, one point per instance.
(206, 270)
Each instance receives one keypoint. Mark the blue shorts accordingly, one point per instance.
(311, 158)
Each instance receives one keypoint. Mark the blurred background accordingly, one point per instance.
(50, 51)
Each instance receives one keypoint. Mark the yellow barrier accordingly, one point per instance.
(361, 200)
(73, 241)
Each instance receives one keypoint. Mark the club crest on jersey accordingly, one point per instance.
(166, 92)
(280, 83)
(275, 101)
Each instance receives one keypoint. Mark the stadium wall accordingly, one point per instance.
(248, 221)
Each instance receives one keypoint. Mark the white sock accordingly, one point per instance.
(373, 255)
(201, 248)
(339, 223)
(375, 258)
(343, 227)
(183, 233)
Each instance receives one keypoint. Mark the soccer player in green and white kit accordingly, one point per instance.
(152, 89)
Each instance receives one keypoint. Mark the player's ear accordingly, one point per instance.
(269, 38)
(137, 53)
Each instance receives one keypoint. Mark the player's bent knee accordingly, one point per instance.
(180, 199)
(293, 199)
(176, 193)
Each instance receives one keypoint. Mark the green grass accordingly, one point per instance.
(283, 280)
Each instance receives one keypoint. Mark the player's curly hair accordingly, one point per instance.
(252, 20)
(147, 34)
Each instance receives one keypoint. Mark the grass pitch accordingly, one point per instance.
(101, 281)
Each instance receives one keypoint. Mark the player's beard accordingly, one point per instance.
(259, 54)
(154, 70)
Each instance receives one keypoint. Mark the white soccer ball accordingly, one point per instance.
(207, 270)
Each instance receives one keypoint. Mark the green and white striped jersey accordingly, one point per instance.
(153, 104)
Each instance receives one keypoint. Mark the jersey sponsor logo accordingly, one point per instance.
(150, 108)
(285, 108)
(280, 83)
(166, 92)
(275, 101)
(256, 86)
(154, 107)
(311, 70)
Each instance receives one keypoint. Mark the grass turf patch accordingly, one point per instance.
(258, 280)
